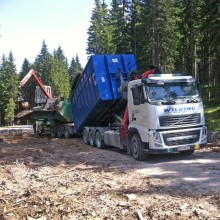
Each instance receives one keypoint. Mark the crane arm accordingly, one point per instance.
(39, 83)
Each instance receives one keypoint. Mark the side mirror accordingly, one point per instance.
(136, 96)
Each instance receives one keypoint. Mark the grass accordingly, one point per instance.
(212, 116)
(211, 101)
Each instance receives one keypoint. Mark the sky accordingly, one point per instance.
(24, 24)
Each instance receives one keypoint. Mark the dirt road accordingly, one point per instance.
(44, 178)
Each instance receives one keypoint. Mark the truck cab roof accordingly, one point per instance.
(162, 78)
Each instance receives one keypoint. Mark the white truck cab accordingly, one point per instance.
(166, 114)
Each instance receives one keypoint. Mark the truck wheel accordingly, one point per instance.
(85, 136)
(60, 133)
(66, 132)
(187, 152)
(91, 138)
(98, 140)
(137, 148)
(35, 130)
(53, 132)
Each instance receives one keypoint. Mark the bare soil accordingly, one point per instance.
(44, 178)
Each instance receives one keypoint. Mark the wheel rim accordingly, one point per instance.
(135, 146)
(35, 130)
(60, 132)
(66, 132)
(91, 140)
(98, 139)
(53, 132)
(85, 136)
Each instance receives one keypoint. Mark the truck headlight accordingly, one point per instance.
(156, 137)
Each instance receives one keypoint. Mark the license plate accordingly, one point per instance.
(184, 148)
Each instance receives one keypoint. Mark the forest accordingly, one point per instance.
(176, 35)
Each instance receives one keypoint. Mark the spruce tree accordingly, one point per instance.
(189, 29)
(59, 54)
(75, 68)
(209, 66)
(160, 34)
(41, 64)
(99, 33)
(121, 22)
(28, 91)
(24, 69)
(59, 75)
(8, 89)
(136, 31)
(10, 112)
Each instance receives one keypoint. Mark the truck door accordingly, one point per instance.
(138, 111)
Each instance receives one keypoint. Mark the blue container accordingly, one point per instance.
(97, 90)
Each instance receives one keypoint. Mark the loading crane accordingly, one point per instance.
(30, 74)
(54, 118)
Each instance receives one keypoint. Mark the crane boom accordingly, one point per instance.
(40, 84)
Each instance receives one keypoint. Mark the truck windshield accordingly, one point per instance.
(185, 91)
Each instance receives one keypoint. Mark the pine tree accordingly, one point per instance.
(24, 69)
(60, 81)
(59, 54)
(99, 33)
(75, 68)
(41, 64)
(59, 76)
(190, 35)
(209, 66)
(136, 31)
(11, 60)
(121, 22)
(3, 62)
(160, 34)
(28, 91)
(12, 77)
(10, 112)
(8, 88)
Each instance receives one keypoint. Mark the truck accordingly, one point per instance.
(111, 105)
(160, 114)
(51, 115)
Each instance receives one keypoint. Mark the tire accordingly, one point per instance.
(187, 152)
(35, 130)
(98, 140)
(85, 136)
(137, 148)
(53, 132)
(66, 132)
(60, 133)
(91, 138)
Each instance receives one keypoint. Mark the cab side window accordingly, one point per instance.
(141, 93)
(138, 95)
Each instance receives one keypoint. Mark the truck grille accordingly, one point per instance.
(181, 138)
(177, 120)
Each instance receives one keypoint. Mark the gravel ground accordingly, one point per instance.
(44, 178)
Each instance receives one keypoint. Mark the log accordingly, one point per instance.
(215, 149)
